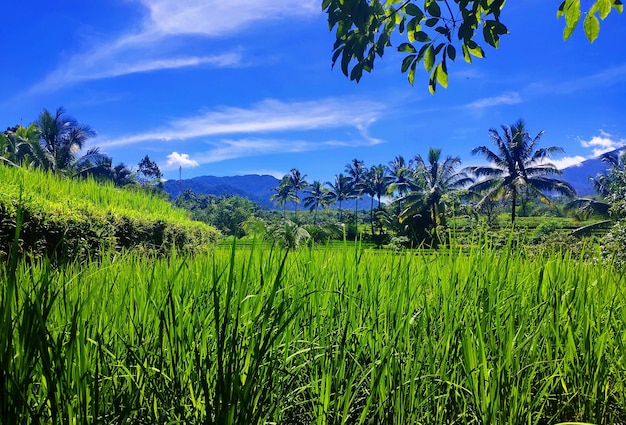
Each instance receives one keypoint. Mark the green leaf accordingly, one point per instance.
(432, 83)
(412, 10)
(572, 16)
(407, 48)
(421, 36)
(429, 58)
(434, 9)
(431, 22)
(442, 75)
(604, 7)
(466, 54)
(451, 51)
(407, 61)
(411, 75)
(592, 27)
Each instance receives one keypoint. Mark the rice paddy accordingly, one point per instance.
(323, 336)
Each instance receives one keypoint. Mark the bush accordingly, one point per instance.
(613, 245)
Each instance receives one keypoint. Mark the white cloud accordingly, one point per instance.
(511, 98)
(267, 116)
(568, 161)
(602, 143)
(175, 160)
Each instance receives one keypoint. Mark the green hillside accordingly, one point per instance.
(71, 219)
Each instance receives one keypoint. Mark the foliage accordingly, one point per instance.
(613, 245)
(518, 166)
(225, 213)
(333, 335)
(435, 32)
(74, 220)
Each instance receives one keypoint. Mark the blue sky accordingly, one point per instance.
(246, 86)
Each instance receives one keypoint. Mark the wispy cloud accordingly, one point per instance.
(262, 172)
(216, 18)
(153, 47)
(568, 161)
(511, 98)
(268, 116)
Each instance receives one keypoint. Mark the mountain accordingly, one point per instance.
(257, 188)
(578, 175)
(254, 187)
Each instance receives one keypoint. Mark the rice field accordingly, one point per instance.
(315, 336)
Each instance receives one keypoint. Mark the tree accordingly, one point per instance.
(283, 193)
(61, 138)
(340, 190)
(298, 183)
(318, 197)
(515, 165)
(431, 181)
(376, 184)
(434, 32)
(356, 172)
(149, 171)
(20, 145)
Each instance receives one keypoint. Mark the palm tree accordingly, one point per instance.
(62, 137)
(400, 172)
(376, 184)
(123, 175)
(356, 173)
(20, 145)
(283, 193)
(318, 197)
(517, 164)
(94, 164)
(340, 190)
(298, 183)
(429, 183)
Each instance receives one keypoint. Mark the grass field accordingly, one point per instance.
(322, 335)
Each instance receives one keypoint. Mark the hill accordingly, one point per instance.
(254, 187)
(257, 188)
(77, 219)
(578, 175)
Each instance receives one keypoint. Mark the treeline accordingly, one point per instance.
(53, 143)
(421, 194)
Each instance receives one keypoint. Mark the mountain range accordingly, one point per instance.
(259, 188)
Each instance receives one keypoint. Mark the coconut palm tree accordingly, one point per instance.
(376, 183)
(20, 145)
(429, 183)
(400, 172)
(62, 137)
(298, 183)
(283, 194)
(340, 190)
(517, 164)
(356, 172)
(318, 197)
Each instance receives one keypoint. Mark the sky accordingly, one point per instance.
(246, 86)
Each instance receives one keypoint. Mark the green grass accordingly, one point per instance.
(323, 336)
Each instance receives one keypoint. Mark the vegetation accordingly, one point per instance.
(435, 32)
(519, 167)
(517, 323)
(317, 336)
(70, 220)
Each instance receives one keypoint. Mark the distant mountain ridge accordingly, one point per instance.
(578, 175)
(257, 188)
